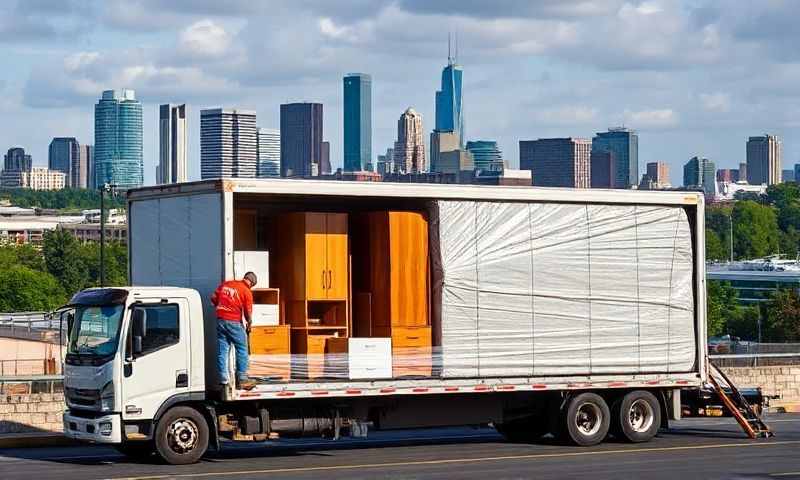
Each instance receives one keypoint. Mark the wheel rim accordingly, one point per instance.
(640, 416)
(588, 418)
(182, 435)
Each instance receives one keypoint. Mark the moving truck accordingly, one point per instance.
(578, 313)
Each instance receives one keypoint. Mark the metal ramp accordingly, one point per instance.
(741, 410)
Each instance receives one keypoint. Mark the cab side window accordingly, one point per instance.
(161, 327)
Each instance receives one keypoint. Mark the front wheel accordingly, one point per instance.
(181, 436)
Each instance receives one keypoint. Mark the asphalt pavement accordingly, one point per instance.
(692, 448)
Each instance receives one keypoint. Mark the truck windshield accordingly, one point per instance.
(95, 330)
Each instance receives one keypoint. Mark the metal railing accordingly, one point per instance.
(752, 354)
(36, 327)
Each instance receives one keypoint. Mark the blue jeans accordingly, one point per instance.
(231, 333)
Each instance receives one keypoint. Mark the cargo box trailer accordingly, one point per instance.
(579, 313)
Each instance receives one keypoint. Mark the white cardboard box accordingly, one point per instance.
(252, 261)
(265, 315)
(369, 358)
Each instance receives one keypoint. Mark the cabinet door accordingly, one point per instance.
(408, 252)
(337, 261)
(316, 268)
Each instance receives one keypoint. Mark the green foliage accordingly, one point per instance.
(743, 321)
(68, 198)
(755, 230)
(714, 247)
(24, 289)
(62, 258)
(721, 302)
(116, 263)
(782, 319)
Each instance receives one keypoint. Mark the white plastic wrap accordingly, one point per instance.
(564, 289)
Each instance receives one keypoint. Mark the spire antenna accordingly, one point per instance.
(449, 57)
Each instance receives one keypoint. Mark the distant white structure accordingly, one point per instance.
(269, 152)
(173, 164)
(115, 216)
(728, 190)
(37, 178)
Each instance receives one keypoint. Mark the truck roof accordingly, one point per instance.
(138, 291)
(344, 188)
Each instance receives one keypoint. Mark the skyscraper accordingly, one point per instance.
(728, 175)
(658, 173)
(700, 172)
(409, 149)
(449, 102)
(486, 156)
(625, 145)
(301, 139)
(17, 160)
(557, 162)
(62, 155)
(228, 143)
(118, 139)
(173, 145)
(325, 158)
(743, 172)
(788, 175)
(269, 152)
(82, 173)
(603, 168)
(764, 159)
(357, 121)
(442, 142)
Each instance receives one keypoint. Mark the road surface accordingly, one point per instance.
(692, 448)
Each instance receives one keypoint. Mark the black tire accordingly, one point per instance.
(636, 417)
(181, 436)
(585, 420)
(526, 430)
(136, 450)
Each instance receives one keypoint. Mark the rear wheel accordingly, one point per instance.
(637, 416)
(181, 436)
(584, 420)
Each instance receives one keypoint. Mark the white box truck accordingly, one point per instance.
(579, 313)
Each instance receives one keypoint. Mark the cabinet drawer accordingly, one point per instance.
(269, 339)
(406, 337)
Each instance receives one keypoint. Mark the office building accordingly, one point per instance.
(385, 162)
(118, 139)
(487, 156)
(62, 155)
(764, 159)
(743, 172)
(449, 104)
(625, 145)
(700, 173)
(456, 161)
(357, 121)
(325, 158)
(728, 175)
(228, 143)
(557, 162)
(173, 145)
(301, 139)
(409, 149)
(603, 169)
(269, 152)
(788, 176)
(442, 142)
(37, 178)
(83, 168)
(17, 159)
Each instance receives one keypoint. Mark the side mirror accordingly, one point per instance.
(138, 330)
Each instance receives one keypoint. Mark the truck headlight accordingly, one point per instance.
(107, 397)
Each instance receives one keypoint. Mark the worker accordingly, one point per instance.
(234, 305)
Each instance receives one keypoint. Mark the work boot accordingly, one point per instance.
(245, 384)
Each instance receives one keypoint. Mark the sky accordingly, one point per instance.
(692, 77)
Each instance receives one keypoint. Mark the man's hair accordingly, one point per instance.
(251, 277)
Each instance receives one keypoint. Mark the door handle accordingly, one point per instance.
(330, 279)
(323, 280)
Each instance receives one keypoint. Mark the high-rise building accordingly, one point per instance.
(118, 139)
(486, 156)
(325, 158)
(788, 175)
(657, 176)
(385, 162)
(449, 104)
(728, 175)
(442, 142)
(16, 159)
(557, 162)
(625, 145)
(357, 121)
(700, 172)
(62, 155)
(228, 143)
(83, 171)
(456, 161)
(301, 139)
(603, 169)
(743, 172)
(35, 178)
(764, 159)
(409, 149)
(269, 152)
(173, 146)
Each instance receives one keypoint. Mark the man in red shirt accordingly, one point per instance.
(234, 302)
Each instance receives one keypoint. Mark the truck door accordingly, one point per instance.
(156, 364)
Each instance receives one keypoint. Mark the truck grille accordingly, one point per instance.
(82, 398)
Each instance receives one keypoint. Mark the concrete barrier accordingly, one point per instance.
(782, 381)
(36, 412)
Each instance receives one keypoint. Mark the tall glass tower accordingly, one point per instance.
(624, 144)
(487, 156)
(118, 140)
(357, 121)
(449, 108)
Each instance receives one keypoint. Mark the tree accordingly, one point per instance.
(782, 195)
(23, 289)
(782, 320)
(714, 248)
(718, 220)
(116, 263)
(790, 241)
(63, 260)
(722, 302)
(67, 198)
(755, 230)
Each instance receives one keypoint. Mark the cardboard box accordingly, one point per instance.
(252, 261)
(369, 358)
(265, 315)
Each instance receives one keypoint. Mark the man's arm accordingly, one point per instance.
(247, 310)
(215, 297)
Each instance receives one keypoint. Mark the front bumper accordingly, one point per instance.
(100, 429)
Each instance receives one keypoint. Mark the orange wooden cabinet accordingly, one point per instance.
(308, 352)
(270, 352)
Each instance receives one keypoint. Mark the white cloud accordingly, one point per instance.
(330, 29)
(658, 118)
(715, 102)
(205, 39)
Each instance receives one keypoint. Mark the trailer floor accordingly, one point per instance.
(692, 448)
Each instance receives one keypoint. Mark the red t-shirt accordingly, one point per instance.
(232, 299)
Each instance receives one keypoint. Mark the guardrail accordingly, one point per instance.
(26, 384)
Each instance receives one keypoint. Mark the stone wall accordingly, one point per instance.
(783, 381)
(36, 412)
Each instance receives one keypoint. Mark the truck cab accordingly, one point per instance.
(132, 353)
